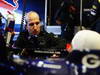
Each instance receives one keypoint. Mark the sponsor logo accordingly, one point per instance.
(8, 5)
(91, 61)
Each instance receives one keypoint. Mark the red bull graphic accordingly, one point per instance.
(16, 7)
(9, 6)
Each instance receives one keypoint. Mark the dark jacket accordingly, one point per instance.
(44, 41)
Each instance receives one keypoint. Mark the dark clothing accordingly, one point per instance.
(66, 16)
(10, 27)
(43, 41)
(95, 12)
(3, 50)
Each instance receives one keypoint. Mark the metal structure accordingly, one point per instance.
(23, 14)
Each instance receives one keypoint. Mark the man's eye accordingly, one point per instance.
(37, 23)
(31, 24)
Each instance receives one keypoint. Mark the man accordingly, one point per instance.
(9, 30)
(66, 16)
(34, 38)
(95, 15)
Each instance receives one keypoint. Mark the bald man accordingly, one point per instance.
(33, 23)
(33, 37)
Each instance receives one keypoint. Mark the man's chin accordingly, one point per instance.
(35, 33)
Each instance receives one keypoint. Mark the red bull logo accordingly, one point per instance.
(9, 6)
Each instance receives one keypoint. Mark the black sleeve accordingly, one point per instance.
(21, 41)
(55, 42)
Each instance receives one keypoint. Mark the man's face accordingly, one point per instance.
(33, 26)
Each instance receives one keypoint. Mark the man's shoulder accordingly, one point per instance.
(24, 33)
(46, 34)
(53, 40)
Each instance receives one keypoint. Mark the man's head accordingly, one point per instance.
(86, 39)
(33, 23)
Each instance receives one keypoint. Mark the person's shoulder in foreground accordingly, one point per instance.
(82, 43)
(85, 50)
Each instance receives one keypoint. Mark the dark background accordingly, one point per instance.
(54, 5)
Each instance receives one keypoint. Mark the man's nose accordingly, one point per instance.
(35, 26)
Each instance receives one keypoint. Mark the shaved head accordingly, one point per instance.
(32, 15)
(33, 23)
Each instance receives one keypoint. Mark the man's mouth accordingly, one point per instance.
(34, 32)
